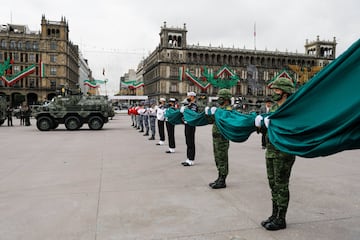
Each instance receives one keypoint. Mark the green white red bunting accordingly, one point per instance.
(91, 84)
(283, 74)
(224, 78)
(11, 80)
(132, 84)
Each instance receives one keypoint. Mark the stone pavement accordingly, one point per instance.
(115, 184)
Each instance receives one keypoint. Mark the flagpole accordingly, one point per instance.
(255, 36)
(105, 87)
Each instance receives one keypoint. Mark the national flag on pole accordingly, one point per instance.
(91, 84)
(254, 29)
(41, 69)
(181, 73)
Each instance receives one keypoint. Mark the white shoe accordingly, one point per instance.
(171, 150)
(160, 143)
(188, 163)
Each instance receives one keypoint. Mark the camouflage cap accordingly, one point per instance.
(224, 93)
(284, 84)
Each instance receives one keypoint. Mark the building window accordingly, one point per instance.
(1, 56)
(31, 57)
(53, 58)
(16, 69)
(20, 45)
(31, 83)
(28, 45)
(12, 44)
(3, 43)
(16, 57)
(53, 45)
(192, 88)
(173, 88)
(53, 84)
(53, 71)
(35, 45)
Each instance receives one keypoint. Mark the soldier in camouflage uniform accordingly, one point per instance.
(220, 144)
(278, 164)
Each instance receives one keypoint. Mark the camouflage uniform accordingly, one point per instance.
(221, 144)
(221, 149)
(278, 166)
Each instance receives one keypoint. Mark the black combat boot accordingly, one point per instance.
(152, 138)
(220, 183)
(273, 215)
(214, 182)
(146, 134)
(278, 223)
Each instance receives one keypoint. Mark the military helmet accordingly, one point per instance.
(284, 84)
(224, 93)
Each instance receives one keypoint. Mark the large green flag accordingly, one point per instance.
(322, 117)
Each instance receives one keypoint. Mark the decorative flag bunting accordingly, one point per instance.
(11, 80)
(224, 78)
(201, 84)
(132, 84)
(91, 84)
(94, 83)
(283, 74)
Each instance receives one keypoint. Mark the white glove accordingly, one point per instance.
(267, 122)
(182, 109)
(258, 120)
(213, 110)
(207, 110)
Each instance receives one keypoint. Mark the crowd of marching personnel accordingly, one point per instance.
(228, 125)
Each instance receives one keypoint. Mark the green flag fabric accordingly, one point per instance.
(194, 118)
(235, 126)
(323, 116)
(173, 116)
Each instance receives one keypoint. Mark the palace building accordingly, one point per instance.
(36, 65)
(176, 67)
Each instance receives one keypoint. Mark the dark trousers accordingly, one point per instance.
(171, 134)
(263, 137)
(9, 121)
(190, 141)
(161, 130)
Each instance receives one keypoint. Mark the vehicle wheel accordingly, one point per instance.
(96, 123)
(72, 123)
(44, 123)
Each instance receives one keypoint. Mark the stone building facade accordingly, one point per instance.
(55, 57)
(163, 70)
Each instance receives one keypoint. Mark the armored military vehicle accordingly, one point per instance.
(2, 109)
(74, 111)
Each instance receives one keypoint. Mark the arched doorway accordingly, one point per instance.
(17, 99)
(32, 98)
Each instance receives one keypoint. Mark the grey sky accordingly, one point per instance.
(117, 34)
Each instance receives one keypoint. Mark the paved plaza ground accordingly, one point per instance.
(115, 184)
